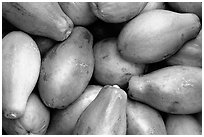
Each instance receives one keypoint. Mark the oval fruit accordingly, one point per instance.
(154, 36)
(38, 18)
(117, 12)
(34, 121)
(176, 89)
(67, 69)
(106, 115)
(143, 120)
(182, 125)
(110, 68)
(63, 121)
(20, 71)
(79, 12)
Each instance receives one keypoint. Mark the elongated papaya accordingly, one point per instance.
(79, 12)
(20, 71)
(106, 115)
(116, 12)
(63, 121)
(67, 69)
(176, 89)
(39, 18)
(34, 121)
(156, 35)
(110, 68)
(182, 125)
(143, 120)
(190, 54)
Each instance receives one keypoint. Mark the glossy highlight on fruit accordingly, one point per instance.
(39, 18)
(176, 89)
(67, 69)
(21, 63)
(156, 35)
(106, 115)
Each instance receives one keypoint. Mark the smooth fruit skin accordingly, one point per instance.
(20, 70)
(110, 68)
(39, 18)
(116, 12)
(143, 120)
(79, 12)
(106, 115)
(67, 69)
(176, 89)
(156, 35)
(190, 54)
(153, 6)
(34, 121)
(63, 121)
(187, 7)
(182, 125)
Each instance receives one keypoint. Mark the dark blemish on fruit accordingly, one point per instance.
(119, 50)
(182, 37)
(80, 46)
(124, 69)
(105, 56)
(127, 125)
(88, 130)
(128, 74)
(173, 107)
(87, 72)
(130, 95)
(28, 132)
(87, 36)
(20, 8)
(46, 76)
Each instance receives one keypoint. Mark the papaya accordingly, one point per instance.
(63, 121)
(67, 69)
(105, 115)
(153, 5)
(187, 7)
(117, 12)
(110, 68)
(156, 35)
(34, 121)
(44, 44)
(21, 63)
(79, 12)
(182, 125)
(39, 18)
(190, 54)
(143, 120)
(175, 89)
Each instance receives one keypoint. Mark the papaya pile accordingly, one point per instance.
(101, 68)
